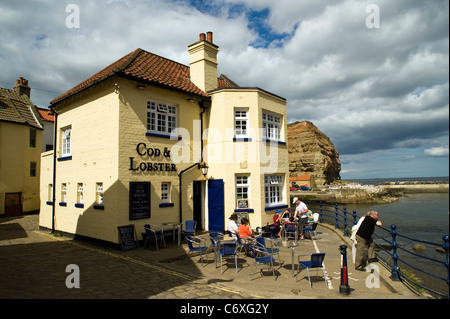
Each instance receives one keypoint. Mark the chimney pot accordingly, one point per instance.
(209, 37)
(22, 87)
(202, 37)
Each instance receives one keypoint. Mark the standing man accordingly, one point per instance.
(302, 211)
(364, 240)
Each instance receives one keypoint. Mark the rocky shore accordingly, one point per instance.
(343, 192)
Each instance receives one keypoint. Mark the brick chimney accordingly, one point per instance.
(22, 87)
(203, 62)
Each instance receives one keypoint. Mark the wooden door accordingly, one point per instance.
(13, 205)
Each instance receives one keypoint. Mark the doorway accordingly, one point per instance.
(13, 204)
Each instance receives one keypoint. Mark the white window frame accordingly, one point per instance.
(161, 117)
(165, 192)
(241, 123)
(50, 192)
(243, 188)
(80, 197)
(66, 141)
(273, 189)
(64, 193)
(99, 193)
(271, 126)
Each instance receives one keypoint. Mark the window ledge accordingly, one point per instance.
(99, 206)
(244, 210)
(275, 207)
(79, 205)
(161, 135)
(63, 204)
(274, 141)
(166, 205)
(242, 139)
(64, 158)
(49, 202)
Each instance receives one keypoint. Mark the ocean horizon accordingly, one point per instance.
(376, 181)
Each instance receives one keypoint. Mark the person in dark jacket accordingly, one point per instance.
(364, 240)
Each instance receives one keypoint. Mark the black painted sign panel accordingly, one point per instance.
(127, 237)
(139, 200)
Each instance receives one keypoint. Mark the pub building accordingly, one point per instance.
(148, 140)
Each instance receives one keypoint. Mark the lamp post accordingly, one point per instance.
(204, 168)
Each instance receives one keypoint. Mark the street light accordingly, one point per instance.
(204, 168)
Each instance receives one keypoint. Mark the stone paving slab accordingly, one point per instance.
(33, 265)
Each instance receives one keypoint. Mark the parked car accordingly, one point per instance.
(304, 188)
(293, 189)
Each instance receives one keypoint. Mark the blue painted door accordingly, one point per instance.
(216, 205)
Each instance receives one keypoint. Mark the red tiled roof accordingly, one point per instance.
(149, 67)
(46, 114)
(300, 178)
(17, 108)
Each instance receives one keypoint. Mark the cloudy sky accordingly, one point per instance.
(372, 75)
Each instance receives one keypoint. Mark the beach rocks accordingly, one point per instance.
(419, 248)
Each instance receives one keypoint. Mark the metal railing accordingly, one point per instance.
(393, 249)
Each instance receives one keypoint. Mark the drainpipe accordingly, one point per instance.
(55, 130)
(201, 104)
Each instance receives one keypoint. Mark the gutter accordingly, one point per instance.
(55, 130)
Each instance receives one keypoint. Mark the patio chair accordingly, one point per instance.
(195, 245)
(189, 227)
(289, 229)
(154, 232)
(311, 228)
(261, 242)
(228, 251)
(241, 243)
(213, 235)
(262, 256)
(315, 262)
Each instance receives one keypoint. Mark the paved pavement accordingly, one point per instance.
(33, 265)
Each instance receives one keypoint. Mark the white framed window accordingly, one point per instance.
(242, 189)
(273, 188)
(66, 141)
(161, 117)
(50, 192)
(271, 126)
(80, 196)
(165, 192)
(241, 122)
(99, 193)
(64, 192)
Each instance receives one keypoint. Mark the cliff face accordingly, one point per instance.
(312, 152)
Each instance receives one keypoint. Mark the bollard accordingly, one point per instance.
(344, 288)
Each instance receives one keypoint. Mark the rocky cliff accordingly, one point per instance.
(311, 152)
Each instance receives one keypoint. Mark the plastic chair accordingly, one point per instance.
(189, 227)
(214, 243)
(311, 228)
(242, 244)
(262, 256)
(290, 228)
(154, 232)
(261, 241)
(194, 245)
(228, 251)
(315, 262)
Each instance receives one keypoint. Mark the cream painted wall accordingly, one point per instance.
(15, 157)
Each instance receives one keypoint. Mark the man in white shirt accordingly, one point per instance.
(302, 211)
(232, 226)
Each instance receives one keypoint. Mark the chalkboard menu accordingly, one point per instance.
(127, 237)
(139, 200)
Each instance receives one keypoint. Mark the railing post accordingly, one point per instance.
(344, 288)
(395, 275)
(336, 224)
(354, 218)
(345, 222)
(445, 246)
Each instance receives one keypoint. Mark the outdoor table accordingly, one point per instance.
(174, 226)
(278, 242)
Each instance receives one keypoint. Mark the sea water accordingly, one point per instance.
(423, 216)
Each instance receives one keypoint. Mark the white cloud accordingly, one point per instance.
(437, 151)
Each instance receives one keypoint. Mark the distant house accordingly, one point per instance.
(305, 180)
(48, 119)
(20, 151)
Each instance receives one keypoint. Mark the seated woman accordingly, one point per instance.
(244, 230)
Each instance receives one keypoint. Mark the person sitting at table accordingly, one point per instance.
(277, 222)
(244, 231)
(232, 226)
(286, 214)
